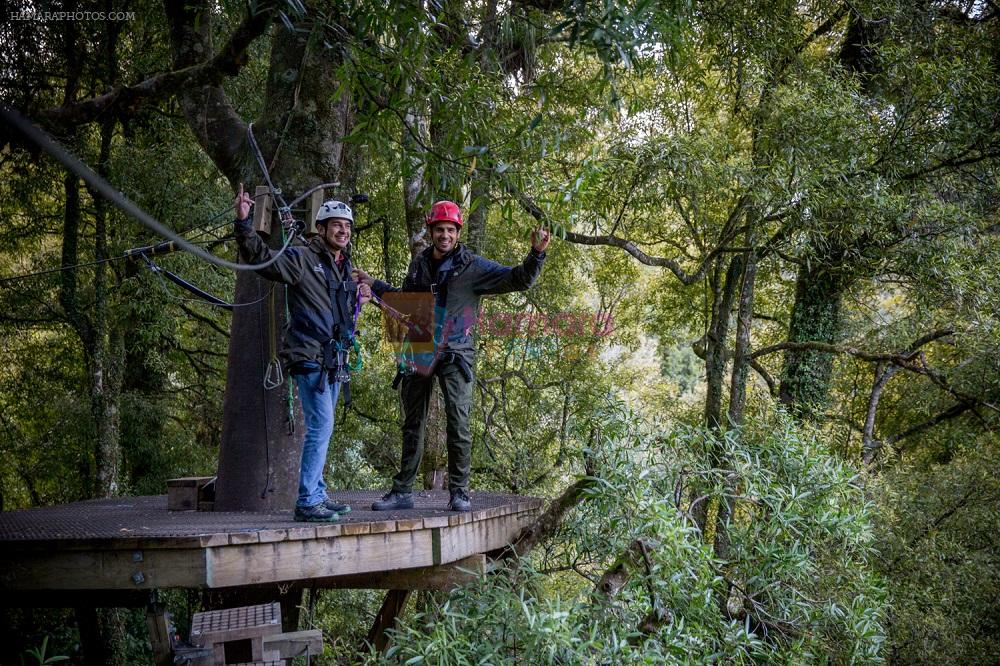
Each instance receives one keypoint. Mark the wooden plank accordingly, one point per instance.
(188, 481)
(262, 210)
(159, 635)
(478, 537)
(252, 564)
(406, 524)
(351, 529)
(103, 570)
(460, 518)
(299, 533)
(210, 540)
(244, 537)
(444, 577)
(268, 536)
(381, 526)
(313, 204)
(307, 643)
(392, 608)
(329, 531)
(435, 521)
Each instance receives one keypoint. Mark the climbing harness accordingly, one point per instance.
(345, 301)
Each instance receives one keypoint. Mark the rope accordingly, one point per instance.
(284, 210)
(267, 427)
(46, 143)
(15, 278)
(273, 377)
(204, 296)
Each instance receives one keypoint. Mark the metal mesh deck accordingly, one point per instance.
(231, 620)
(147, 517)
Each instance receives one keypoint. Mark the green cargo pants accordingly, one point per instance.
(416, 396)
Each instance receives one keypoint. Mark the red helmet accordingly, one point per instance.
(445, 211)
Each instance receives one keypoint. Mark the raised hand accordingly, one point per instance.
(242, 204)
(540, 239)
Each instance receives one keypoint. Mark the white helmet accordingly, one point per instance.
(334, 208)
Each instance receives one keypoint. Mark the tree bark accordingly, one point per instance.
(715, 342)
(108, 348)
(805, 379)
(300, 134)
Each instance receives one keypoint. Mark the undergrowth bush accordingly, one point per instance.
(629, 578)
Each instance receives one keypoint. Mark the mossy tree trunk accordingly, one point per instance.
(300, 134)
(805, 377)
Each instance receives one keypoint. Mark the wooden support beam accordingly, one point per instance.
(391, 609)
(262, 210)
(74, 598)
(159, 634)
(313, 204)
(443, 577)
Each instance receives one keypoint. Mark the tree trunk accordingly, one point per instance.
(805, 379)
(300, 134)
(717, 338)
(108, 348)
(723, 290)
(416, 131)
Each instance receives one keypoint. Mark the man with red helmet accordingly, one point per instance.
(457, 280)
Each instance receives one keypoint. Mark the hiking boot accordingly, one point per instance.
(393, 500)
(459, 500)
(317, 513)
(336, 507)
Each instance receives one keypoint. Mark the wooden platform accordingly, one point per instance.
(136, 544)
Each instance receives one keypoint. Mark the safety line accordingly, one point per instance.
(14, 278)
(46, 143)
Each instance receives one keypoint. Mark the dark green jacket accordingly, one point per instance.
(470, 277)
(313, 317)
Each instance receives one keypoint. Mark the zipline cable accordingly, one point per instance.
(46, 143)
(15, 278)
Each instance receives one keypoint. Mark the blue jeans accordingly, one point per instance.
(319, 410)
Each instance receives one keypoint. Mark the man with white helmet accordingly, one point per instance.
(323, 303)
(456, 279)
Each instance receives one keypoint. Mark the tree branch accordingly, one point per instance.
(126, 100)
(549, 521)
(219, 129)
(629, 246)
(903, 359)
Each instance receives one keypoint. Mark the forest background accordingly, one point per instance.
(782, 448)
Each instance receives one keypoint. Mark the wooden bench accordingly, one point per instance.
(240, 632)
(191, 493)
(250, 633)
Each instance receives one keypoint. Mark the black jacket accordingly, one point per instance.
(469, 278)
(314, 317)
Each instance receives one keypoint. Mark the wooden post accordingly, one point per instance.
(312, 207)
(262, 210)
(391, 608)
(159, 634)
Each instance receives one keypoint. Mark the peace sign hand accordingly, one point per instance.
(242, 204)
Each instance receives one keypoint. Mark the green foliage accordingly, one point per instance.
(938, 528)
(799, 587)
(39, 656)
